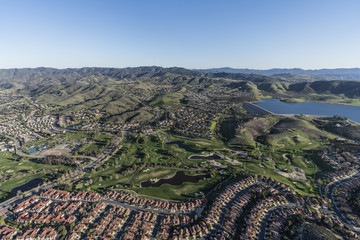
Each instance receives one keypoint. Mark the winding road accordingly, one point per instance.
(329, 193)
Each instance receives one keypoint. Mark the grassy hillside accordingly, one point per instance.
(137, 93)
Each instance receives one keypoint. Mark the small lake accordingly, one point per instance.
(204, 157)
(310, 108)
(30, 184)
(179, 178)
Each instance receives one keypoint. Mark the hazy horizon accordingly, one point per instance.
(263, 69)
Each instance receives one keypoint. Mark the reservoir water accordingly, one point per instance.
(311, 108)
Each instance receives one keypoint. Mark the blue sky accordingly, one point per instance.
(258, 34)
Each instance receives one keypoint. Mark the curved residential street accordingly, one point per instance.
(329, 193)
(265, 220)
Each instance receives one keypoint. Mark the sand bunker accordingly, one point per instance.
(297, 174)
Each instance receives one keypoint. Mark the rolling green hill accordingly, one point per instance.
(125, 93)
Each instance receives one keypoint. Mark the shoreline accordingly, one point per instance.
(288, 100)
(255, 109)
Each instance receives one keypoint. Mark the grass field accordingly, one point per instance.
(6, 187)
(181, 192)
(284, 158)
(76, 135)
(291, 142)
(93, 144)
(110, 177)
(160, 155)
(169, 99)
(281, 143)
(9, 165)
(213, 125)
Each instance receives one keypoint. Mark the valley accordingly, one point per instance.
(102, 153)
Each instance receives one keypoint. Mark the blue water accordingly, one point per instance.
(311, 108)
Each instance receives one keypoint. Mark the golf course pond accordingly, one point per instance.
(30, 184)
(179, 178)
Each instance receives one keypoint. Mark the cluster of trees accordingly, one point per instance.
(354, 201)
(56, 160)
(292, 226)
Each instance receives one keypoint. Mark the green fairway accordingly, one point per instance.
(145, 158)
(9, 165)
(20, 172)
(213, 125)
(6, 187)
(181, 192)
(76, 136)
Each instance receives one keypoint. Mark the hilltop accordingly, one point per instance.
(125, 92)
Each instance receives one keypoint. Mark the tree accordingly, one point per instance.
(72, 225)
(62, 230)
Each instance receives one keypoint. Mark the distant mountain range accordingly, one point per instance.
(329, 74)
(117, 90)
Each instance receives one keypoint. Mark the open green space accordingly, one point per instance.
(95, 145)
(150, 157)
(162, 154)
(283, 144)
(169, 99)
(6, 187)
(179, 192)
(20, 171)
(109, 178)
(76, 135)
(213, 125)
(10, 164)
(149, 98)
